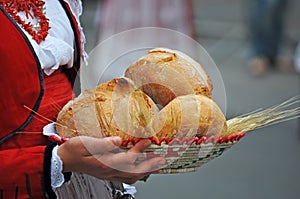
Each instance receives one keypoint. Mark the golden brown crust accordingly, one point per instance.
(113, 108)
(127, 112)
(164, 74)
(189, 116)
(119, 108)
(78, 117)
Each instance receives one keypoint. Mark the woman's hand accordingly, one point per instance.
(103, 159)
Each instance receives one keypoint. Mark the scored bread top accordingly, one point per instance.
(164, 74)
(165, 94)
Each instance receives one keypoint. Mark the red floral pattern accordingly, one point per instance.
(33, 9)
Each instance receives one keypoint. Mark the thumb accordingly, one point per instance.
(101, 145)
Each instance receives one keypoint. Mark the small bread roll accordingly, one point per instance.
(164, 74)
(113, 108)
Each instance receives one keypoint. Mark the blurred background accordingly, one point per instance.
(254, 44)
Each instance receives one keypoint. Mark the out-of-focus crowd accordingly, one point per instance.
(266, 24)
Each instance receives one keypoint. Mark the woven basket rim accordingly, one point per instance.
(196, 140)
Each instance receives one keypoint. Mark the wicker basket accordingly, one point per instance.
(186, 155)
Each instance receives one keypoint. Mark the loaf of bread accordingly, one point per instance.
(79, 117)
(189, 116)
(115, 107)
(165, 94)
(100, 113)
(164, 74)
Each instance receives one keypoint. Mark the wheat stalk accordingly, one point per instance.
(261, 118)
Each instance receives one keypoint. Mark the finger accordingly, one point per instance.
(140, 146)
(137, 150)
(151, 166)
(101, 145)
(123, 161)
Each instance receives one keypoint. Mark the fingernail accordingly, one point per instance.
(162, 162)
(146, 142)
(117, 141)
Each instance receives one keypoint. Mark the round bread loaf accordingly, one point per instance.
(126, 106)
(79, 117)
(113, 108)
(117, 108)
(164, 74)
(190, 116)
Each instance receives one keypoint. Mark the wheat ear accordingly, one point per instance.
(285, 111)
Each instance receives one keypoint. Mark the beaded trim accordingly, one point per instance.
(33, 9)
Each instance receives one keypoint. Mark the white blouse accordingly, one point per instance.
(58, 47)
(56, 50)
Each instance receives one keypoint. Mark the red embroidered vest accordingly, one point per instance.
(22, 82)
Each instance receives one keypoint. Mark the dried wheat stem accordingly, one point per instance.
(254, 120)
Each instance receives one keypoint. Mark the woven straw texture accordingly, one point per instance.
(186, 156)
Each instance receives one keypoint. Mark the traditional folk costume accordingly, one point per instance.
(41, 48)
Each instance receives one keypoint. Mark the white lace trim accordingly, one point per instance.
(57, 49)
(57, 177)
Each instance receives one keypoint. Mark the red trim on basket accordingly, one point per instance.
(209, 139)
(200, 140)
(175, 140)
(189, 141)
(186, 140)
